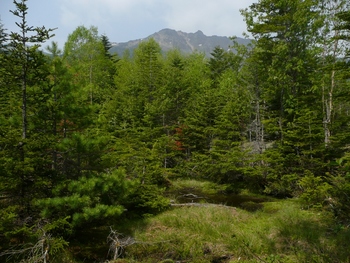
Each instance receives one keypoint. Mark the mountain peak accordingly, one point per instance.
(199, 32)
(186, 42)
(165, 31)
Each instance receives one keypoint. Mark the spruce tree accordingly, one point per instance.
(23, 157)
(22, 52)
(25, 66)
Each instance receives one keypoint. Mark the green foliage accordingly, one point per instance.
(8, 218)
(92, 198)
(338, 202)
(147, 200)
(93, 71)
(315, 190)
(338, 199)
(344, 26)
(59, 228)
(82, 153)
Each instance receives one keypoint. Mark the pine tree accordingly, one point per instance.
(90, 200)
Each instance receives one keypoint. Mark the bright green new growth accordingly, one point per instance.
(88, 199)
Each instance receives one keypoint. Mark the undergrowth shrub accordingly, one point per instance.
(315, 190)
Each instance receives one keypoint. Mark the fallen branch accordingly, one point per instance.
(190, 195)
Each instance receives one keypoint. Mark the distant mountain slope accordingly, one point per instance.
(185, 42)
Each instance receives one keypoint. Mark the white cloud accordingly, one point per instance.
(94, 12)
(220, 17)
(102, 9)
(143, 17)
(75, 12)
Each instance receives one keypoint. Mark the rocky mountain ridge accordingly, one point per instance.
(186, 42)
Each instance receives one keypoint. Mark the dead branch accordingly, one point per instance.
(33, 253)
(191, 196)
(118, 243)
(39, 252)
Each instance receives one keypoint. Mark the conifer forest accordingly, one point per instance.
(90, 140)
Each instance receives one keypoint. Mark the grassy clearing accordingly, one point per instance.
(280, 232)
(205, 186)
(273, 231)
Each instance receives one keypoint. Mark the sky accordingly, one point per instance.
(124, 20)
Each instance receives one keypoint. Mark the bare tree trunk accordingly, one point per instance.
(54, 128)
(24, 111)
(310, 133)
(24, 127)
(24, 81)
(331, 50)
(259, 127)
(90, 83)
(165, 148)
(24, 103)
(328, 102)
(280, 119)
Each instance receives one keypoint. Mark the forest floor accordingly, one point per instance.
(254, 229)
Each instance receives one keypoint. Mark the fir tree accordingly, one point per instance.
(23, 160)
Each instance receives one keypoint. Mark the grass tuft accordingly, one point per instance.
(278, 232)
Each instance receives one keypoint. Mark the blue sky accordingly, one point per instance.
(123, 20)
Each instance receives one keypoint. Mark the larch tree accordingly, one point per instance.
(86, 56)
